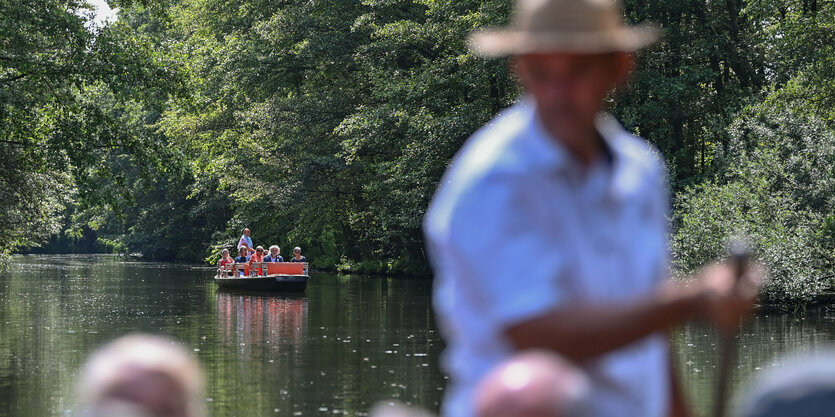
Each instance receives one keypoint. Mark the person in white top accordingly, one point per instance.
(585, 203)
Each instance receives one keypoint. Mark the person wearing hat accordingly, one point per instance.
(555, 178)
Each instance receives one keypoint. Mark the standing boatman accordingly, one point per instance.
(559, 182)
(245, 241)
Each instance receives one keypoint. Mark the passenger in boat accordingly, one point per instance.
(142, 375)
(225, 260)
(274, 255)
(243, 256)
(258, 256)
(297, 255)
(556, 179)
(245, 241)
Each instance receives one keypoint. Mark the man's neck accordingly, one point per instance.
(584, 143)
(586, 148)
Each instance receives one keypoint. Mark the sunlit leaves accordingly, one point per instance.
(777, 185)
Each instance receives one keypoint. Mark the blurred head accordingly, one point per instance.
(259, 249)
(569, 55)
(246, 232)
(224, 253)
(274, 250)
(803, 386)
(143, 375)
(297, 250)
(533, 384)
(569, 88)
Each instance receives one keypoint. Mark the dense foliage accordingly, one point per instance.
(327, 124)
(776, 185)
(774, 178)
(74, 109)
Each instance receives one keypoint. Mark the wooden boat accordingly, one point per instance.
(264, 276)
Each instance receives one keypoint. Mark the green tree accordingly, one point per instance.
(777, 185)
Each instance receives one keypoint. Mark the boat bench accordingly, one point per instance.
(265, 268)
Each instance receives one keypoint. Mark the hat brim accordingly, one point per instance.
(497, 43)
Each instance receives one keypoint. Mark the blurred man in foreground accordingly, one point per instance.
(584, 204)
(143, 376)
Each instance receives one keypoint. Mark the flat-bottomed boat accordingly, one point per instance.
(264, 276)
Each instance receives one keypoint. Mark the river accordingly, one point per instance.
(346, 343)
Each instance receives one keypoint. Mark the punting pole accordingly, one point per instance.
(739, 254)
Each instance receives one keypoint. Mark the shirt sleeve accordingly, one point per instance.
(502, 218)
(662, 206)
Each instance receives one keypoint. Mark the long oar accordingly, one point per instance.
(739, 259)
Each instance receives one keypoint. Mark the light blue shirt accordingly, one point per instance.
(593, 234)
(245, 239)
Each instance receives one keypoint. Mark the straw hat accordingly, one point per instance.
(584, 26)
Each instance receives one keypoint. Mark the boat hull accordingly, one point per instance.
(281, 283)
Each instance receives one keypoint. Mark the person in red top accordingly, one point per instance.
(224, 261)
(258, 256)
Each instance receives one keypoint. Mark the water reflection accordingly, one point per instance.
(348, 342)
(262, 322)
(762, 343)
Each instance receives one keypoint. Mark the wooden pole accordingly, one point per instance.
(740, 253)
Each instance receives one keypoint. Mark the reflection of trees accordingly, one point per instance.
(261, 343)
(54, 310)
(376, 339)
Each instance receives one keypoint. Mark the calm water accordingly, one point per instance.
(343, 345)
(762, 344)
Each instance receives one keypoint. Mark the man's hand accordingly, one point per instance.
(727, 299)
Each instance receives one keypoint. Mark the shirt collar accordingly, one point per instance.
(547, 153)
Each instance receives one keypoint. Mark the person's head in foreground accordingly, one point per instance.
(803, 387)
(534, 383)
(143, 376)
(569, 54)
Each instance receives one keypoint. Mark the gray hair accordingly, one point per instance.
(275, 246)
